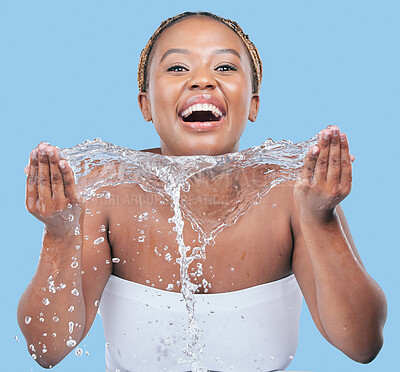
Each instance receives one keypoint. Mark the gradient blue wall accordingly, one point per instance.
(68, 73)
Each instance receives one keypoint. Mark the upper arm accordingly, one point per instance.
(96, 257)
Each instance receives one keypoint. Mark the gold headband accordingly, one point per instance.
(253, 52)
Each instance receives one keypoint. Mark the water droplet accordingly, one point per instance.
(56, 319)
(74, 264)
(75, 292)
(27, 319)
(99, 240)
(34, 356)
(70, 327)
(274, 205)
(291, 357)
(16, 338)
(102, 228)
(77, 247)
(115, 260)
(142, 217)
(87, 237)
(77, 232)
(141, 238)
(78, 352)
(96, 303)
(71, 343)
(45, 301)
(87, 353)
(70, 217)
(104, 194)
(41, 320)
(94, 268)
(170, 287)
(168, 257)
(88, 211)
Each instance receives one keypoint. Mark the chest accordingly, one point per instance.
(147, 245)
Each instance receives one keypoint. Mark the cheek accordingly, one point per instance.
(239, 90)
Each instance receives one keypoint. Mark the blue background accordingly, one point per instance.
(68, 73)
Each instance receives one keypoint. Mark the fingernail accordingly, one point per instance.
(50, 152)
(62, 165)
(314, 150)
(34, 154)
(335, 132)
(342, 137)
(42, 150)
(326, 135)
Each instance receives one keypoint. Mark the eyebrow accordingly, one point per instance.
(231, 51)
(174, 50)
(186, 51)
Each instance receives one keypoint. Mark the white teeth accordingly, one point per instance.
(202, 107)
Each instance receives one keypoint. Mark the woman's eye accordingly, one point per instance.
(177, 68)
(226, 68)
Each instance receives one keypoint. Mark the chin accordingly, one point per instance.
(205, 149)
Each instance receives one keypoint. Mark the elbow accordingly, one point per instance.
(367, 353)
(47, 361)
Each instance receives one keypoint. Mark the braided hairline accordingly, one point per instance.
(253, 52)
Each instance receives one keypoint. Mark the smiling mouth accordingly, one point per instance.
(201, 112)
(202, 116)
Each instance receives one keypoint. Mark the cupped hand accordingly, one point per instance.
(51, 194)
(326, 177)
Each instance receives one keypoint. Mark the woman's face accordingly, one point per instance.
(199, 94)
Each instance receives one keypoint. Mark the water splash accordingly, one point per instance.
(192, 186)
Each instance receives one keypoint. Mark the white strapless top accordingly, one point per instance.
(254, 329)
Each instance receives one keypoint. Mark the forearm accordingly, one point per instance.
(51, 312)
(350, 304)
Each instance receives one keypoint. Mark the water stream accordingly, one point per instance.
(245, 176)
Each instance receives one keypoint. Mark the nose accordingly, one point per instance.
(202, 79)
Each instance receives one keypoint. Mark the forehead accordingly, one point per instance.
(199, 32)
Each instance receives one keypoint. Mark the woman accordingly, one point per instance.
(199, 79)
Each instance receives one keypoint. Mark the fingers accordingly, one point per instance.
(31, 182)
(331, 162)
(321, 168)
(346, 160)
(69, 182)
(50, 182)
(44, 187)
(334, 160)
(56, 178)
(309, 166)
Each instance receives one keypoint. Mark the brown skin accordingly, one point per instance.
(297, 227)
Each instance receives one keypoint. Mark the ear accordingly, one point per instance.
(254, 106)
(145, 106)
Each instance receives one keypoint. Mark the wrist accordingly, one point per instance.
(321, 217)
(67, 239)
